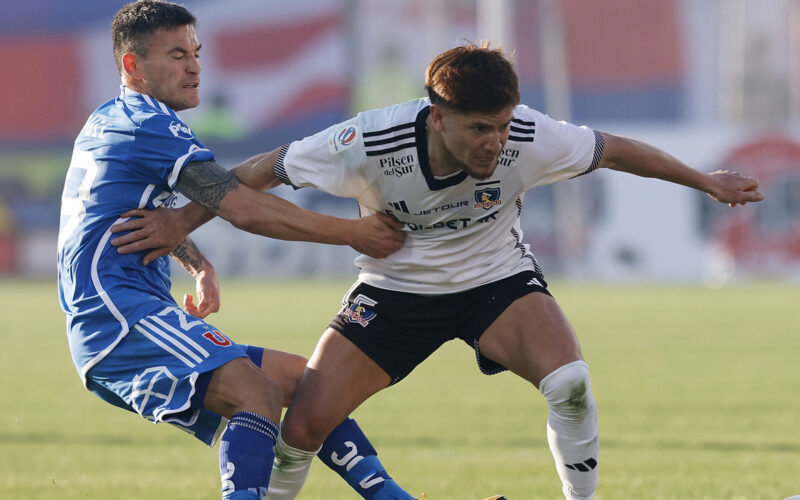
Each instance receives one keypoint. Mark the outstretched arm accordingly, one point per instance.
(628, 155)
(162, 229)
(218, 191)
(205, 276)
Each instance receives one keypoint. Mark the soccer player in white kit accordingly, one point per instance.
(454, 169)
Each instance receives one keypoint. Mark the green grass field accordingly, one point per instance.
(697, 389)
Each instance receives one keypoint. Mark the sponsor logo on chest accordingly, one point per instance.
(397, 166)
(509, 157)
(180, 130)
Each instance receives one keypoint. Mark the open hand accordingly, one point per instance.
(156, 230)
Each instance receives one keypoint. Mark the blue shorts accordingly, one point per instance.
(161, 370)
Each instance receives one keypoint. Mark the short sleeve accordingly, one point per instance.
(333, 161)
(560, 150)
(165, 145)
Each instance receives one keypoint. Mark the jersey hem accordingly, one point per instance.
(386, 283)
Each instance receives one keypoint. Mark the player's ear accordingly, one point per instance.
(129, 65)
(437, 117)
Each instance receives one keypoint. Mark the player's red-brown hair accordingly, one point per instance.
(472, 78)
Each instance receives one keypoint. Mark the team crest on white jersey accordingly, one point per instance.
(359, 311)
(487, 198)
(342, 139)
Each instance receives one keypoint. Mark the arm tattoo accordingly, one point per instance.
(206, 183)
(189, 256)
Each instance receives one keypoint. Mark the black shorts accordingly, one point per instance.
(399, 330)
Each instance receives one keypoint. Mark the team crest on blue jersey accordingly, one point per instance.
(360, 312)
(487, 198)
(342, 139)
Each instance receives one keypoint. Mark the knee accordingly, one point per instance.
(304, 430)
(568, 391)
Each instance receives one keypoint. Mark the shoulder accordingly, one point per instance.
(151, 117)
(162, 124)
(533, 126)
(398, 115)
(390, 129)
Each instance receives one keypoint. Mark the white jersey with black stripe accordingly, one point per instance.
(461, 232)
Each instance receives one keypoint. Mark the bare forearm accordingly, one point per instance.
(222, 193)
(256, 172)
(631, 156)
(272, 216)
(190, 257)
(628, 155)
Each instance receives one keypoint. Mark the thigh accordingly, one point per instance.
(284, 368)
(338, 378)
(532, 337)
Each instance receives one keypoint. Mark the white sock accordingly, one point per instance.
(289, 471)
(572, 428)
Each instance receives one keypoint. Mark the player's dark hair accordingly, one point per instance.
(472, 78)
(136, 22)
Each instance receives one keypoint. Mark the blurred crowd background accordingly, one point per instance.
(714, 82)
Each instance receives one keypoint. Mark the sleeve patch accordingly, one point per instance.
(343, 139)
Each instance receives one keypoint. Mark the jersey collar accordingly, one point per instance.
(126, 93)
(434, 184)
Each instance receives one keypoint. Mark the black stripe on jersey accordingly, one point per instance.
(520, 139)
(393, 138)
(522, 130)
(526, 253)
(389, 130)
(371, 147)
(279, 169)
(486, 183)
(599, 146)
(391, 150)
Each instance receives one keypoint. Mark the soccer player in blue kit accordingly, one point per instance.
(130, 341)
(454, 167)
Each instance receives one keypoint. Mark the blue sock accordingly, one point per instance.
(349, 453)
(245, 456)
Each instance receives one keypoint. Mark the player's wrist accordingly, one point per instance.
(186, 219)
(351, 233)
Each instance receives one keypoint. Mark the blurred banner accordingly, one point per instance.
(714, 82)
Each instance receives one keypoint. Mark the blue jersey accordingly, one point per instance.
(128, 155)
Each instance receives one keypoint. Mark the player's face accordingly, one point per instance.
(475, 140)
(171, 70)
